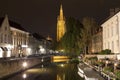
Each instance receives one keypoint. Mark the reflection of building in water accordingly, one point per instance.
(60, 76)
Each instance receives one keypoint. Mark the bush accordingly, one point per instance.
(108, 69)
(100, 63)
(74, 60)
(106, 51)
(117, 73)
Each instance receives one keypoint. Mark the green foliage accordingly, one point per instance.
(117, 73)
(70, 40)
(74, 60)
(106, 51)
(108, 69)
(100, 63)
(89, 28)
(93, 58)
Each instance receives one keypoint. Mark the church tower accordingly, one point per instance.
(60, 25)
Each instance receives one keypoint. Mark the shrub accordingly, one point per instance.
(106, 51)
(108, 69)
(117, 73)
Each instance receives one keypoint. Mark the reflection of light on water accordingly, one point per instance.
(60, 76)
(24, 64)
(42, 60)
(24, 76)
(60, 60)
(42, 66)
(41, 70)
(62, 65)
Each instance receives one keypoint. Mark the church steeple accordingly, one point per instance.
(61, 12)
(61, 28)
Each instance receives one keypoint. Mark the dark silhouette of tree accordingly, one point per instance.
(88, 30)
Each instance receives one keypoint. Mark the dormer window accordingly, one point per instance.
(5, 28)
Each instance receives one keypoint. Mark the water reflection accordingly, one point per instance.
(24, 76)
(50, 71)
(61, 77)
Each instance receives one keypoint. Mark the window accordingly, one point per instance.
(112, 31)
(116, 28)
(112, 46)
(108, 46)
(108, 33)
(5, 38)
(117, 43)
(5, 28)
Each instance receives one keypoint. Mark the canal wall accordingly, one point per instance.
(9, 67)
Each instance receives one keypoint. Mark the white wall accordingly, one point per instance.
(111, 33)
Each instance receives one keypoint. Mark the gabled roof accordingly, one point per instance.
(16, 25)
(13, 24)
(109, 17)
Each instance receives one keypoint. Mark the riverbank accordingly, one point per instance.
(12, 67)
(88, 73)
(104, 67)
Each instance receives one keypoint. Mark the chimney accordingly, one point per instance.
(117, 9)
(112, 12)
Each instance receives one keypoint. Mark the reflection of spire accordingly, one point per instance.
(61, 12)
(61, 76)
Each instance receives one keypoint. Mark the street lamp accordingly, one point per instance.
(106, 63)
(115, 64)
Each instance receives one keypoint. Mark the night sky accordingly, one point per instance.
(40, 16)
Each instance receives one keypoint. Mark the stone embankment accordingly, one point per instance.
(10, 67)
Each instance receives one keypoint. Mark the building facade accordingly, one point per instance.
(111, 33)
(20, 41)
(97, 41)
(37, 44)
(61, 27)
(5, 38)
(13, 39)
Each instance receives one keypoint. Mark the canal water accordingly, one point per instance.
(50, 71)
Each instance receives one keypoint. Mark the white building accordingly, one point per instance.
(13, 39)
(5, 38)
(111, 33)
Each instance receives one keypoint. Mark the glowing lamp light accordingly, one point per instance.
(9, 54)
(24, 76)
(24, 64)
(1, 53)
(24, 45)
(62, 50)
(42, 50)
(62, 65)
(29, 50)
(115, 64)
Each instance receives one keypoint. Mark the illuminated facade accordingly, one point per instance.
(5, 38)
(19, 42)
(13, 39)
(111, 33)
(97, 41)
(60, 25)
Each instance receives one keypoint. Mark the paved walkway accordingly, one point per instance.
(89, 72)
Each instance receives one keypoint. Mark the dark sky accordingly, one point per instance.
(41, 15)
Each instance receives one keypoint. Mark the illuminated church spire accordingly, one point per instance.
(61, 12)
(60, 24)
